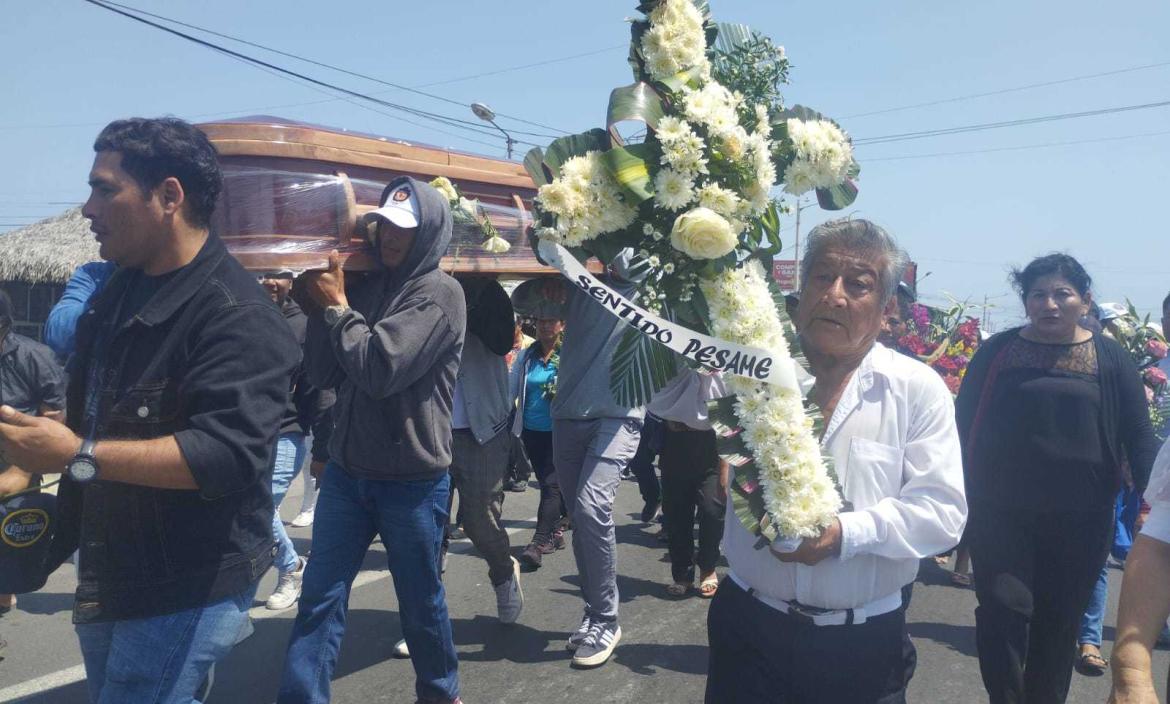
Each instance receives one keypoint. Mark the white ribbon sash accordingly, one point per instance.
(713, 353)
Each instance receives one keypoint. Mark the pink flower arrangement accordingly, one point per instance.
(1154, 376)
(1156, 348)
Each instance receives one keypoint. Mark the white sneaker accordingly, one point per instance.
(509, 596)
(303, 519)
(288, 588)
(401, 650)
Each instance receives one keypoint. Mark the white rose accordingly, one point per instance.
(702, 233)
(496, 245)
(444, 186)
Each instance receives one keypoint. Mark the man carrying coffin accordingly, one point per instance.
(826, 622)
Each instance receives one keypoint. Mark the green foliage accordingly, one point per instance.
(744, 60)
(640, 367)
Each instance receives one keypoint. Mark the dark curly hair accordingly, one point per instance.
(1056, 263)
(154, 149)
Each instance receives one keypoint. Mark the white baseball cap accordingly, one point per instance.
(399, 208)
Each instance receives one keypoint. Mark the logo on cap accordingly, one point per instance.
(24, 527)
(401, 194)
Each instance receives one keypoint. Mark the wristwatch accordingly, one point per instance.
(334, 313)
(83, 468)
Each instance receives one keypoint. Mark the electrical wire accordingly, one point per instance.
(449, 121)
(1002, 91)
(906, 136)
(1018, 148)
(335, 68)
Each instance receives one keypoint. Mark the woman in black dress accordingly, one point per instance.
(1046, 415)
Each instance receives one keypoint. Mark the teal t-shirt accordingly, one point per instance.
(537, 412)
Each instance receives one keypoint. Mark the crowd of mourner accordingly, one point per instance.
(179, 398)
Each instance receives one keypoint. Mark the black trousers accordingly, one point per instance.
(761, 656)
(690, 485)
(1034, 574)
(642, 465)
(538, 445)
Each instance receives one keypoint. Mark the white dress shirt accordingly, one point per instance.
(1157, 525)
(684, 398)
(896, 453)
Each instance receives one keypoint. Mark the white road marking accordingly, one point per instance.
(68, 676)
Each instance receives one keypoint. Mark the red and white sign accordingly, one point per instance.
(784, 271)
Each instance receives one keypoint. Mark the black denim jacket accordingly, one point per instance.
(207, 360)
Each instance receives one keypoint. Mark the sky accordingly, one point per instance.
(967, 207)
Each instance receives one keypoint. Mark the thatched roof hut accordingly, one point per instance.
(47, 252)
(37, 260)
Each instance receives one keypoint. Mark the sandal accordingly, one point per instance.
(1091, 664)
(709, 586)
(960, 580)
(678, 588)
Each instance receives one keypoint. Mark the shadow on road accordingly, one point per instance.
(960, 639)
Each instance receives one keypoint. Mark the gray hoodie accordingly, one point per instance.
(393, 358)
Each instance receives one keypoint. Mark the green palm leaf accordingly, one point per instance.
(640, 367)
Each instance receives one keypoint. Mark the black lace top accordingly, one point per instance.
(1042, 447)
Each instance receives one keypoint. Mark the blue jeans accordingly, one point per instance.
(286, 462)
(410, 517)
(161, 659)
(1095, 612)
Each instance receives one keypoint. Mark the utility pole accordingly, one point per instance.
(796, 238)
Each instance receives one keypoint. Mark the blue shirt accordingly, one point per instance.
(86, 282)
(537, 413)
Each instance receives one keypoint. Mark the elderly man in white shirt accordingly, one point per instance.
(826, 623)
(1145, 594)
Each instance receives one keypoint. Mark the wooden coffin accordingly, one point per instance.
(293, 192)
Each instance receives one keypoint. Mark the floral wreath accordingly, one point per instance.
(693, 201)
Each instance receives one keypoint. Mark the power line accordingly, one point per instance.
(335, 68)
(254, 110)
(905, 136)
(443, 119)
(537, 64)
(1019, 148)
(1002, 91)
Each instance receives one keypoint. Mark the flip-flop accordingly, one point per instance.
(960, 580)
(708, 587)
(1091, 664)
(677, 589)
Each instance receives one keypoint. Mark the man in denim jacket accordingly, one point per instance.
(178, 382)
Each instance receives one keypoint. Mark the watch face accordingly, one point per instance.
(82, 470)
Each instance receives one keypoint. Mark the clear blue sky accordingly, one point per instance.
(67, 68)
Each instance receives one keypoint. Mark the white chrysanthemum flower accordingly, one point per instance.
(586, 201)
(823, 156)
(671, 128)
(673, 190)
(722, 200)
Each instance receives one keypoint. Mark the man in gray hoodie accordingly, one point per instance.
(594, 438)
(391, 347)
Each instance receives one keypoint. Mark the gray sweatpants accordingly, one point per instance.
(590, 455)
(478, 473)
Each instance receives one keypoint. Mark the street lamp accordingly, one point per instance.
(486, 114)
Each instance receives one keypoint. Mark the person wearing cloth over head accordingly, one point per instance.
(594, 438)
(391, 349)
(176, 389)
(826, 622)
(307, 408)
(482, 441)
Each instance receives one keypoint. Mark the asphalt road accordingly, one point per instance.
(662, 656)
